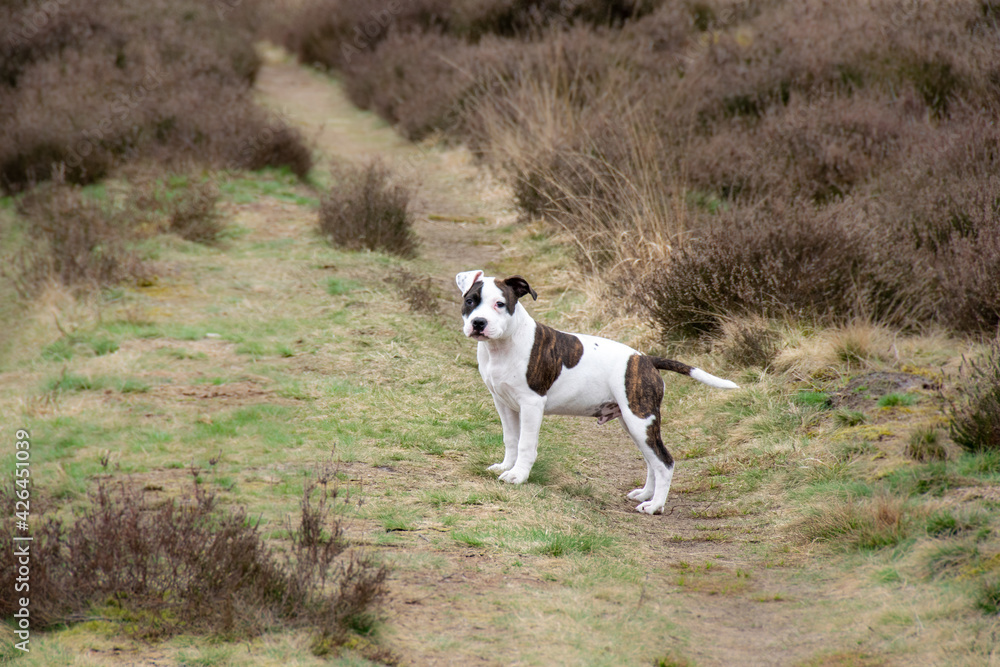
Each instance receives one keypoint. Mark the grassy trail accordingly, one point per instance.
(536, 606)
(274, 355)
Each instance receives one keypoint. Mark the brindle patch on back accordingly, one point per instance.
(550, 352)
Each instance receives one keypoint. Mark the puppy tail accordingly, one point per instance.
(692, 372)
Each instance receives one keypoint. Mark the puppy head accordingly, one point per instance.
(490, 303)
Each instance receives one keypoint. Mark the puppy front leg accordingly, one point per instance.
(511, 423)
(527, 443)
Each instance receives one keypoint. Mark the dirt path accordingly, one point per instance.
(456, 201)
(729, 616)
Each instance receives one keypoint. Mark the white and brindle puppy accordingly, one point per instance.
(534, 370)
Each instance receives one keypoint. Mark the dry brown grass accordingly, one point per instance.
(974, 421)
(747, 341)
(859, 523)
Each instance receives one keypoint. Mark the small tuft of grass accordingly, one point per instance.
(341, 286)
(813, 399)
(133, 386)
(931, 478)
(747, 341)
(67, 347)
(924, 446)
(468, 538)
(672, 660)
(859, 343)
(192, 211)
(945, 523)
(68, 382)
(897, 399)
(848, 418)
(418, 292)
(557, 543)
(988, 594)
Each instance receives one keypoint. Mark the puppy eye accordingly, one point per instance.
(470, 302)
(501, 304)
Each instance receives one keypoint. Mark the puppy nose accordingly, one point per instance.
(479, 324)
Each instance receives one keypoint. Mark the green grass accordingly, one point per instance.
(813, 399)
(896, 399)
(340, 286)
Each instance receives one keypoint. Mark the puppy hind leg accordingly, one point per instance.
(660, 464)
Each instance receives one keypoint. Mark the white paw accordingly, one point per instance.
(650, 508)
(514, 476)
(500, 467)
(640, 494)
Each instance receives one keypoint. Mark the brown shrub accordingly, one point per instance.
(367, 210)
(775, 263)
(337, 33)
(822, 160)
(77, 241)
(192, 212)
(819, 149)
(188, 566)
(413, 81)
(101, 84)
(333, 33)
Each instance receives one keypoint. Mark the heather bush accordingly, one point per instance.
(781, 262)
(74, 239)
(95, 85)
(337, 33)
(192, 212)
(190, 566)
(366, 209)
(820, 160)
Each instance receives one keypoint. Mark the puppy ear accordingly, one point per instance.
(467, 279)
(520, 286)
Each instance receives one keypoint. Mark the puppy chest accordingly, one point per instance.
(506, 385)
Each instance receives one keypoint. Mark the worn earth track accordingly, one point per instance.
(459, 212)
